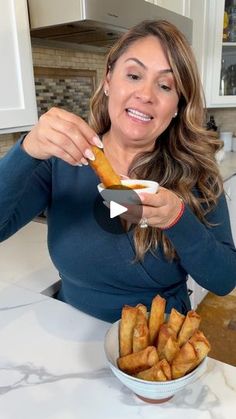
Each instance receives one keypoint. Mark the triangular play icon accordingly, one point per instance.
(116, 209)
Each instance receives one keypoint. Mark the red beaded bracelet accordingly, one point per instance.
(176, 218)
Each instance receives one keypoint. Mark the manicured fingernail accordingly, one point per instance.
(79, 164)
(84, 162)
(97, 142)
(89, 154)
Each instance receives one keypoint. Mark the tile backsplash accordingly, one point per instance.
(70, 89)
(225, 118)
(67, 77)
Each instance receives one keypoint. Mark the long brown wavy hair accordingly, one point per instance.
(183, 159)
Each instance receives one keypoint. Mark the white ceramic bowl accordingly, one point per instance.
(149, 186)
(150, 391)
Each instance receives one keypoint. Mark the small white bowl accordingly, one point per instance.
(149, 186)
(149, 391)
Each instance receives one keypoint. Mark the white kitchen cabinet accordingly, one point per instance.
(230, 190)
(18, 111)
(209, 49)
(216, 53)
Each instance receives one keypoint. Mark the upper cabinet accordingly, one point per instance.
(18, 111)
(220, 63)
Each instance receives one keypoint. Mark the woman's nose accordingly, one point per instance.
(145, 92)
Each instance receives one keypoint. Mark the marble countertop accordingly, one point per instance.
(52, 366)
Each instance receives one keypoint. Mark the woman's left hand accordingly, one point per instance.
(160, 209)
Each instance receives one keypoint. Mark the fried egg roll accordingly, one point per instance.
(164, 333)
(126, 329)
(201, 345)
(156, 318)
(142, 308)
(175, 320)
(141, 332)
(103, 168)
(190, 325)
(160, 371)
(184, 361)
(170, 349)
(139, 361)
(165, 366)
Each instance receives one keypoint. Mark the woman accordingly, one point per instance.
(148, 112)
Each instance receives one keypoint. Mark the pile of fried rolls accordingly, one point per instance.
(153, 349)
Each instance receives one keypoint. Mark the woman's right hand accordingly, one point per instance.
(61, 134)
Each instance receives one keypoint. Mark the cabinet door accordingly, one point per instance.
(216, 52)
(17, 100)
(209, 49)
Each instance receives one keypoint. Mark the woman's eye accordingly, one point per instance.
(133, 76)
(165, 87)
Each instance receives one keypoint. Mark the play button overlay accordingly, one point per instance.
(116, 209)
(113, 207)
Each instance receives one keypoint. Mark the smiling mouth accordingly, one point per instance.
(138, 115)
